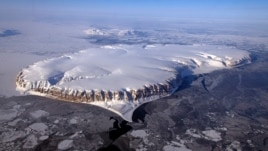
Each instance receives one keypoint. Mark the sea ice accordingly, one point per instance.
(8, 114)
(11, 136)
(39, 127)
(174, 148)
(212, 135)
(31, 142)
(39, 114)
(139, 133)
(65, 144)
(207, 134)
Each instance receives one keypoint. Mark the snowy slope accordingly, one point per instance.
(113, 32)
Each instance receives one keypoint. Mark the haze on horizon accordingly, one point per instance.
(243, 10)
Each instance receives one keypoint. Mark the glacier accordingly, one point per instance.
(122, 77)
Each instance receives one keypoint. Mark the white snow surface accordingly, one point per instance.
(126, 67)
(110, 32)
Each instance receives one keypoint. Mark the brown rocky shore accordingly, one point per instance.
(88, 96)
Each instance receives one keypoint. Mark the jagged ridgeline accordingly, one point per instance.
(122, 77)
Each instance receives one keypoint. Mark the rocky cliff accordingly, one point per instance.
(88, 96)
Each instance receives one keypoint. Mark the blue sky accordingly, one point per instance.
(234, 9)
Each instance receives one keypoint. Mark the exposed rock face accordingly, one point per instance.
(87, 96)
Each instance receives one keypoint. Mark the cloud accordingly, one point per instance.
(9, 32)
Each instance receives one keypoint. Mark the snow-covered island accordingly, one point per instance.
(122, 77)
